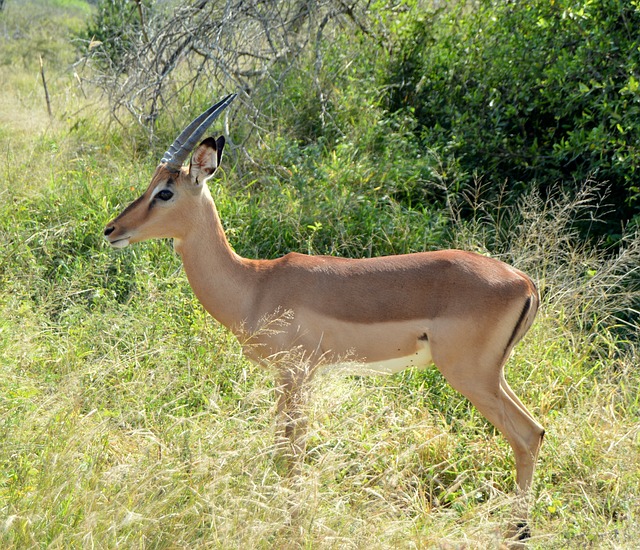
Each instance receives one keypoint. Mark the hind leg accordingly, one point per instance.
(512, 395)
(493, 398)
(509, 416)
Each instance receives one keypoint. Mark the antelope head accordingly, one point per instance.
(175, 191)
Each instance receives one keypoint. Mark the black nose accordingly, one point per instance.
(109, 230)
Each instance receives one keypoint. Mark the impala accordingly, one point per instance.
(459, 310)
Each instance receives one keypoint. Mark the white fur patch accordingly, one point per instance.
(122, 243)
(420, 359)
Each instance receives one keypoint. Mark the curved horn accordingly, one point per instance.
(188, 138)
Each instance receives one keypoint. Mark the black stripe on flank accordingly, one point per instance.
(516, 329)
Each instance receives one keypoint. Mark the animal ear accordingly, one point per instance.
(220, 146)
(206, 159)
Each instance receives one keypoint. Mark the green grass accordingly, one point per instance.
(129, 418)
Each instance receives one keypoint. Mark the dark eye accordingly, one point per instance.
(164, 195)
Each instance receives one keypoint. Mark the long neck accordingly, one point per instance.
(220, 278)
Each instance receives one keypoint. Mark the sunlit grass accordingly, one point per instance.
(129, 418)
(122, 434)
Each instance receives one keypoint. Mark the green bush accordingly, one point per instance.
(543, 92)
(114, 28)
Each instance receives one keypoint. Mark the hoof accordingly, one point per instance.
(517, 535)
(523, 532)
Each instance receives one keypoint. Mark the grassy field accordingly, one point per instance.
(130, 419)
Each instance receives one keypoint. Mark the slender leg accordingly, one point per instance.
(292, 416)
(512, 395)
(488, 392)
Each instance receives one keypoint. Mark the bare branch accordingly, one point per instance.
(248, 46)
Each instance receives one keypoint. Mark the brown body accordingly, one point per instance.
(459, 310)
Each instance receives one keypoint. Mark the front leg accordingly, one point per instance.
(292, 419)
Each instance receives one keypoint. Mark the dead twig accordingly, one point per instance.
(230, 45)
(46, 90)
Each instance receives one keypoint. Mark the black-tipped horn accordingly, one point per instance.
(188, 138)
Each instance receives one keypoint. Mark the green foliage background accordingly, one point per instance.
(541, 93)
(129, 418)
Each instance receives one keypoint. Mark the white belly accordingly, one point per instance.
(420, 359)
(362, 349)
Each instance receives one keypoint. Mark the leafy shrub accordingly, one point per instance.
(542, 91)
(114, 28)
